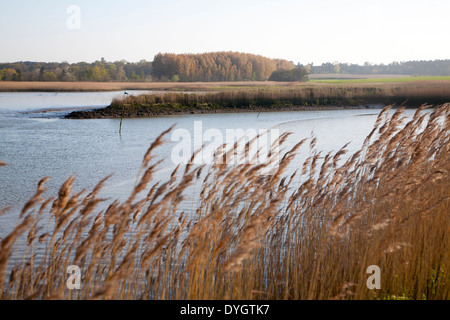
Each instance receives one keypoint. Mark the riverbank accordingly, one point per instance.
(316, 81)
(143, 112)
(36, 86)
(288, 98)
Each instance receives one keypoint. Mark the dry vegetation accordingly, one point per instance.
(118, 86)
(307, 235)
(287, 97)
(347, 94)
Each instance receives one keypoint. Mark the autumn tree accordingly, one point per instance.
(216, 66)
(295, 74)
(8, 74)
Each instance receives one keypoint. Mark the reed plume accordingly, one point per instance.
(300, 233)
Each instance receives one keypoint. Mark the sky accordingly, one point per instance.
(302, 31)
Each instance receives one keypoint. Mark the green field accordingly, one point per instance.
(382, 80)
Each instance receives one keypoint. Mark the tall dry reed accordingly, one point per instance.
(413, 94)
(253, 236)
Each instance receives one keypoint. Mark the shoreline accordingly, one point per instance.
(232, 97)
(43, 86)
(103, 113)
(84, 86)
(121, 110)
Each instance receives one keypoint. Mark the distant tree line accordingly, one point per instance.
(97, 71)
(295, 74)
(215, 66)
(421, 67)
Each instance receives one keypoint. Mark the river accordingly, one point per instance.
(36, 141)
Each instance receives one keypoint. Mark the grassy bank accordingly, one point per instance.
(307, 235)
(18, 86)
(49, 86)
(291, 97)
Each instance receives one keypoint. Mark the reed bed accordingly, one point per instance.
(260, 98)
(310, 234)
(343, 94)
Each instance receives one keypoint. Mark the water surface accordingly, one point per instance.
(35, 141)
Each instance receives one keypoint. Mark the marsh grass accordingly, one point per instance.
(270, 96)
(274, 98)
(254, 236)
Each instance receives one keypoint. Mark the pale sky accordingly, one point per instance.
(303, 31)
